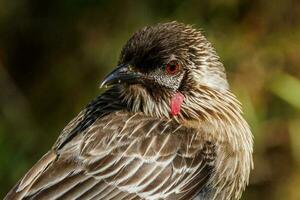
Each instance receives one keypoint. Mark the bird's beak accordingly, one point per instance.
(123, 73)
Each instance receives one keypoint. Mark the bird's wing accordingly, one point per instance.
(123, 156)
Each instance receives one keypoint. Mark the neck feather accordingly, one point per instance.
(220, 109)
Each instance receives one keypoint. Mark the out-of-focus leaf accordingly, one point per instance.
(287, 88)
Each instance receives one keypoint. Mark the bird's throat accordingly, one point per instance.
(176, 103)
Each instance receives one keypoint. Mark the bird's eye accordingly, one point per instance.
(172, 68)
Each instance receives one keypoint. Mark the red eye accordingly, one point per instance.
(172, 68)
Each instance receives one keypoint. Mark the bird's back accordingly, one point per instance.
(120, 155)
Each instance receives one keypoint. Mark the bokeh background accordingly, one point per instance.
(53, 55)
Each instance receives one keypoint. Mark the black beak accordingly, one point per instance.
(123, 73)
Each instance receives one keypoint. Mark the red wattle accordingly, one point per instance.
(176, 103)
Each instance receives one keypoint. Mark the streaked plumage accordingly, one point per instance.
(126, 144)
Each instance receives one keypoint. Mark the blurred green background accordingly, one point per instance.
(53, 55)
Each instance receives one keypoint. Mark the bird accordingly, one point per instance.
(167, 126)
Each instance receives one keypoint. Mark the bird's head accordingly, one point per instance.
(162, 66)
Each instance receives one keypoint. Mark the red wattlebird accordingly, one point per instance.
(168, 127)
